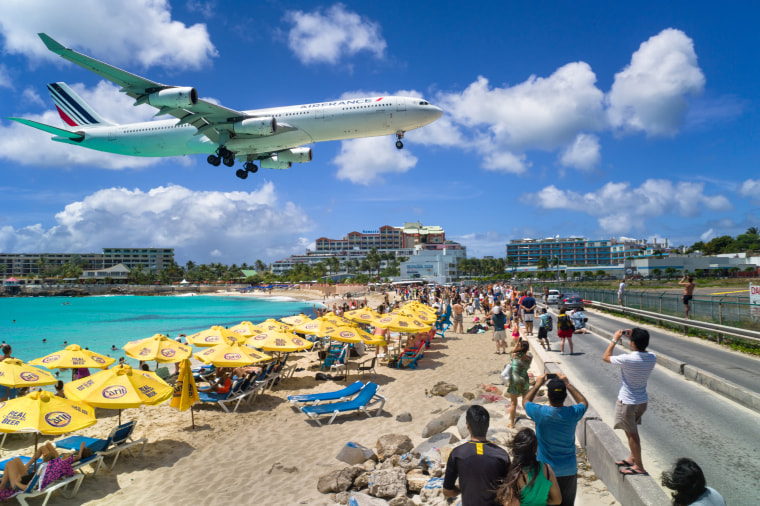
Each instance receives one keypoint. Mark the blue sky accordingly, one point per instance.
(584, 119)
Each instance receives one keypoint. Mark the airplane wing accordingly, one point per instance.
(212, 120)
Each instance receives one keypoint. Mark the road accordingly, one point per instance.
(683, 419)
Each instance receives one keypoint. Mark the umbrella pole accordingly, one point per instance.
(192, 416)
(119, 417)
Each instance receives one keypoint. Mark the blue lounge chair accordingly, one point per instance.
(410, 357)
(33, 488)
(118, 440)
(337, 395)
(239, 391)
(367, 397)
(443, 328)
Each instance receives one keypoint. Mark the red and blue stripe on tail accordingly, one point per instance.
(73, 110)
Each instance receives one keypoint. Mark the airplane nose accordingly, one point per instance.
(437, 113)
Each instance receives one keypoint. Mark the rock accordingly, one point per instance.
(432, 462)
(444, 421)
(342, 497)
(363, 499)
(362, 481)
(436, 441)
(432, 492)
(416, 479)
(404, 417)
(462, 426)
(393, 444)
(409, 460)
(354, 453)
(369, 465)
(387, 482)
(468, 395)
(386, 464)
(338, 481)
(442, 388)
(401, 501)
(455, 399)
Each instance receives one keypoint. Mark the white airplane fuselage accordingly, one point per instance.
(338, 120)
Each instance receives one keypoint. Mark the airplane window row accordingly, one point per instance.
(154, 128)
(366, 106)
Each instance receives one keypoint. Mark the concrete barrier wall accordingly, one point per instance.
(603, 448)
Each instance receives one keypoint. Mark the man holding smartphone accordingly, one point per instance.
(555, 430)
(635, 369)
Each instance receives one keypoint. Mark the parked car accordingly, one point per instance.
(553, 297)
(571, 301)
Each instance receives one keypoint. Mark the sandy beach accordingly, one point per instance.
(269, 454)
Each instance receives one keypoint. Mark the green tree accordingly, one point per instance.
(670, 272)
(657, 272)
(543, 263)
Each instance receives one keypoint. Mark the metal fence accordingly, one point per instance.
(722, 309)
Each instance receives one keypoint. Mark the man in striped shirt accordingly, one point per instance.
(631, 404)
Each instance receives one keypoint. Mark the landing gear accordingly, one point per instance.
(229, 161)
(250, 167)
(399, 136)
(214, 160)
(242, 174)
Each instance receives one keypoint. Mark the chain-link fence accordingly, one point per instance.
(730, 309)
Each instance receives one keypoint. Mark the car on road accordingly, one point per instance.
(571, 301)
(553, 297)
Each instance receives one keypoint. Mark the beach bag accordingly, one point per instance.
(564, 323)
(550, 323)
(506, 374)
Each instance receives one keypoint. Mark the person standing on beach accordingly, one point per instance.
(499, 321)
(528, 308)
(555, 428)
(635, 369)
(457, 311)
(479, 464)
(688, 292)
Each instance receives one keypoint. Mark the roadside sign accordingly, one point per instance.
(754, 294)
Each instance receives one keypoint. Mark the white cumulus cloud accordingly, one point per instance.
(203, 226)
(649, 95)
(141, 31)
(325, 36)
(620, 209)
(750, 188)
(363, 161)
(583, 154)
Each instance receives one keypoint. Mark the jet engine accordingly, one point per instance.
(295, 155)
(274, 163)
(174, 97)
(255, 126)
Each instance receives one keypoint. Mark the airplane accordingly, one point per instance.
(275, 137)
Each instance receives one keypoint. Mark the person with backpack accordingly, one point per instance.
(565, 330)
(546, 324)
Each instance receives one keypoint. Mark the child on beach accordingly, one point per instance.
(515, 329)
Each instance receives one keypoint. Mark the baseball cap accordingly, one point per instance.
(556, 390)
(496, 309)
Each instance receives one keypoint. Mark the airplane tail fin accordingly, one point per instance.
(73, 110)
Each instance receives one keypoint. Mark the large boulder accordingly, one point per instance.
(442, 388)
(387, 483)
(401, 500)
(436, 441)
(416, 479)
(443, 421)
(354, 453)
(432, 493)
(393, 444)
(363, 499)
(339, 480)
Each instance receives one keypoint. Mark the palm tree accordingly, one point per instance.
(752, 231)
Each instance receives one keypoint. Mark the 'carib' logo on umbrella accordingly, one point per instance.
(365, 316)
(403, 324)
(232, 356)
(51, 358)
(311, 326)
(29, 376)
(99, 360)
(297, 341)
(58, 419)
(114, 392)
(385, 320)
(211, 339)
(346, 333)
(144, 351)
(168, 353)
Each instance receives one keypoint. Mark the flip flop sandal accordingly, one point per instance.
(632, 472)
(623, 463)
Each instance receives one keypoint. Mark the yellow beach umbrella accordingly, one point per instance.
(74, 357)
(15, 373)
(317, 327)
(355, 335)
(213, 336)
(231, 354)
(270, 325)
(419, 307)
(185, 391)
(295, 320)
(401, 323)
(419, 314)
(159, 348)
(119, 388)
(245, 329)
(285, 342)
(364, 316)
(44, 413)
(338, 320)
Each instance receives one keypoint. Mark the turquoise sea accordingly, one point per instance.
(98, 323)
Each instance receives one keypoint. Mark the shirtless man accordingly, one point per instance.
(688, 292)
(457, 311)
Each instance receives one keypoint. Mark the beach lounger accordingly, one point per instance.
(33, 490)
(236, 395)
(442, 331)
(367, 397)
(337, 395)
(336, 355)
(410, 357)
(118, 440)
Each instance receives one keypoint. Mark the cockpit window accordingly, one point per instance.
(424, 103)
